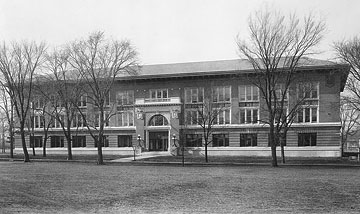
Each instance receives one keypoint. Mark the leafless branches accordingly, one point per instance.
(275, 49)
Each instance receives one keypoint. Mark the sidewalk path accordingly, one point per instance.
(143, 155)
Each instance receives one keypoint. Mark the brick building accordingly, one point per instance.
(161, 101)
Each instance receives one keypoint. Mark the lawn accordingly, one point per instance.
(52, 187)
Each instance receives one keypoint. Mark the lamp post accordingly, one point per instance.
(181, 147)
(139, 144)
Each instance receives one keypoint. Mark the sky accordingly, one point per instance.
(167, 31)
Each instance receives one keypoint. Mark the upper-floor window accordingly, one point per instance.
(82, 101)
(105, 119)
(248, 93)
(308, 95)
(194, 95)
(308, 91)
(221, 94)
(221, 116)
(125, 118)
(38, 121)
(38, 103)
(158, 94)
(158, 120)
(125, 98)
(107, 99)
(79, 120)
(249, 104)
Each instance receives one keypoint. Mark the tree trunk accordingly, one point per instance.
(273, 147)
(44, 146)
(23, 143)
(100, 156)
(206, 156)
(282, 152)
(11, 144)
(68, 138)
(33, 144)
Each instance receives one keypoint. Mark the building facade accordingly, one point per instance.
(158, 107)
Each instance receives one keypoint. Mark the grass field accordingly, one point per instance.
(43, 187)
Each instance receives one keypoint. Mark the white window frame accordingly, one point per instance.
(310, 106)
(199, 91)
(215, 91)
(128, 118)
(161, 91)
(251, 108)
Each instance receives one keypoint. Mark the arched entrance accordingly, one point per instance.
(158, 139)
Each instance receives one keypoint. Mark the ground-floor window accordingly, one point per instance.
(79, 141)
(220, 140)
(57, 141)
(282, 140)
(193, 140)
(35, 141)
(248, 139)
(124, 140)
(307, 139)
(105, 142)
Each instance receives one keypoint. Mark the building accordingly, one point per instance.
(159, 104)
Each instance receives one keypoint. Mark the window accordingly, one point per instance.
(79, 120)
(105, 141)
(193, 140)
(107, 99)
(220, 140)
(37, 121)
(248, 140)
(307, 139)
(106, 120)
(35, 141)
(309, 90)
(79, 141)
(194, 95)
(248, 93)
(57, 141)
(221, 94)
(125, 118)
(158, 120)
(57, 123)
(222, 116)
(191, 117)
(249, 104)
(308, 112)
(125, 98)
(158, 95)
(82, 101)
(124, 140)
(282, 140)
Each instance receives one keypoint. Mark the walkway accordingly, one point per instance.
(143, 155)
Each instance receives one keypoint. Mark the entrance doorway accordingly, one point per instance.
(158, 141)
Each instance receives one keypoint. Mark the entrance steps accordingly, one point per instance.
(143, 155)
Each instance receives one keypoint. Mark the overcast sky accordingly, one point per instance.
(165, 31)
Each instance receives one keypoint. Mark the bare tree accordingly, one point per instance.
(349, 52)
(349, 118)
(18, 64)
(63, 91)
(100, 62)
(206, 112)
(276, 46)
(8, 110)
